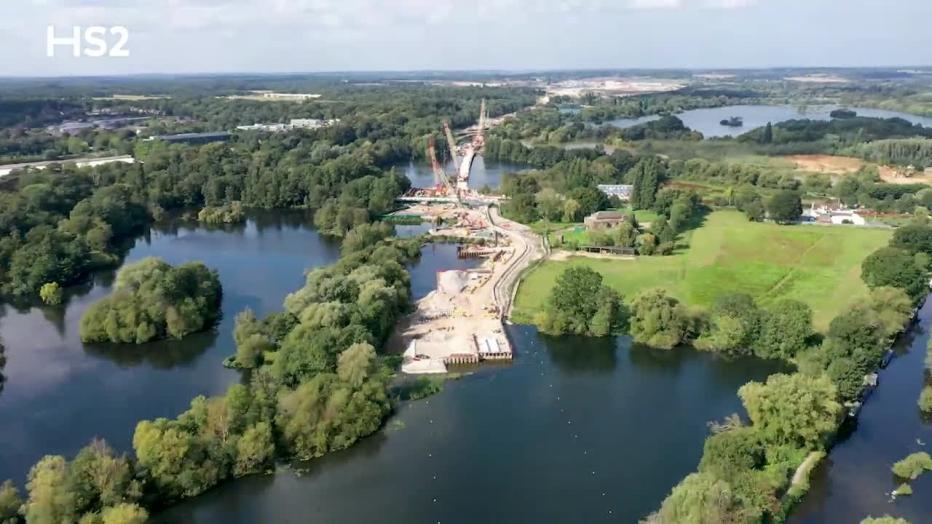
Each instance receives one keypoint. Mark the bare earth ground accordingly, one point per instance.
(445, 325)
(561, 255)
(843, 165)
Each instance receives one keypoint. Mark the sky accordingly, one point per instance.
(223, 36)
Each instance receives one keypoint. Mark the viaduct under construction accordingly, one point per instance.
(457, 186)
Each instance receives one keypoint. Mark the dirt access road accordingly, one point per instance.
(528, 247)
(461, 321)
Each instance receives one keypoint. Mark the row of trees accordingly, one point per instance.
(153, 300)
(20, 145)
(842, 132)
(734, 325)
(60, 228)
(316, 385)
(745, 470)
(913, 152)
(60, 224)
(664, 128)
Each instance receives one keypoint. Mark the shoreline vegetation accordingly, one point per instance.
(152, 300)
(315, 384)
(819, 266)
(314, 381)
(228, 213)
(758, 470)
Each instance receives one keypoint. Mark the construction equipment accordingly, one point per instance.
(440, 177)
(479, 139)
(451, 144)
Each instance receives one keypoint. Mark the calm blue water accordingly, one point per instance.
(573, 430)
(624, 123)
(855, 480)
(708, 121)
(484, 173)
(60, 393)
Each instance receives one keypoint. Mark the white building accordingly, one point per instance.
(273, 128)
(622, 191)
(296, 123)
(833, 214)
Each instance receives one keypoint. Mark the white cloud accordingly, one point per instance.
(655, 4)
(730, 4)
(675, 4)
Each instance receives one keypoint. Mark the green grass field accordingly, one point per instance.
(818, 265)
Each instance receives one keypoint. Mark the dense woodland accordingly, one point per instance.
(313, 379)
(58, 225)
(316, 384)
(152, 300)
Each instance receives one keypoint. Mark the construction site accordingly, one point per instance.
(461, 321)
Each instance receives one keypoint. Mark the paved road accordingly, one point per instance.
(6, 169)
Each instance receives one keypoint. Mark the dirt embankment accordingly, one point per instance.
(843, 165)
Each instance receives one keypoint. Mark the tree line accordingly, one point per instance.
(315, 385)
(60, 224)
(745, 469)
(153, 300)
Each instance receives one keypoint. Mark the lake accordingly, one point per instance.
(60, 393)
(484, 172)
(855, 480)
(574, 429)
(707, 121)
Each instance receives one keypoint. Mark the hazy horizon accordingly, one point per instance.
(499, 72)
(194, 37)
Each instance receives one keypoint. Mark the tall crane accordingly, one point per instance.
(451, 143)
(479, 140)
(439, 176)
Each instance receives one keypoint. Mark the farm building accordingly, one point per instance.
(601, 220)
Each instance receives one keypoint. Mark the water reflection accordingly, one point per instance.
(484, 172)
(855, 480)
(162, 354)
(583, 355)
(573, 430)
(60, 393)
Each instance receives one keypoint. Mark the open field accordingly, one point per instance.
(130, 98)
(819, 265)
(841, 165)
